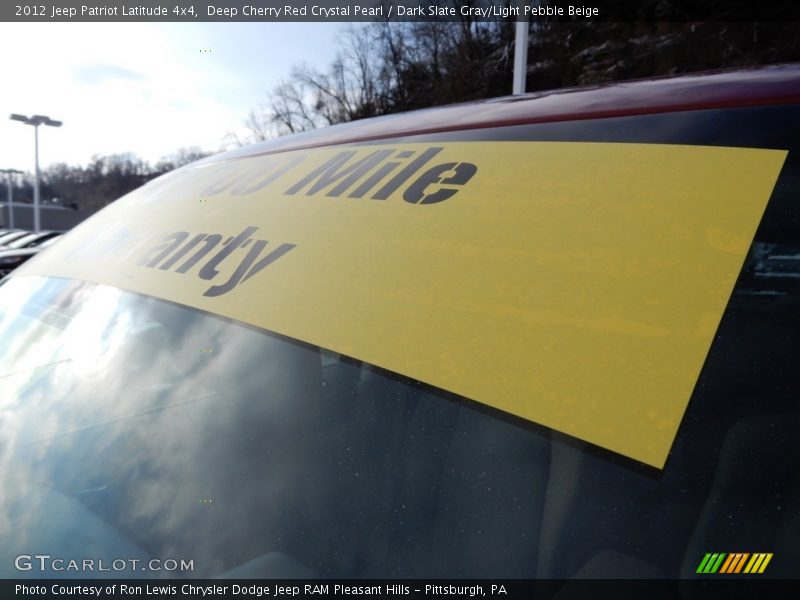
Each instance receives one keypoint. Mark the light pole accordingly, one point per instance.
(36, 120)
(10, 193)
(520, 51)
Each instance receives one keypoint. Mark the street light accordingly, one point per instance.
(10, 194)
(520, 51)
(36, 120)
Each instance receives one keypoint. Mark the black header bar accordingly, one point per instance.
(276, 11)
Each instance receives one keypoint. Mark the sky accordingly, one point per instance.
(145, 88)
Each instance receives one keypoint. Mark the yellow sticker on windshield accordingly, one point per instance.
(577, 285)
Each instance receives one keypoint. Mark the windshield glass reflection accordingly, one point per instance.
(172, 428)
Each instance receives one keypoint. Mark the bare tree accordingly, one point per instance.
(350, 89)
(391, 67)
(381, 68)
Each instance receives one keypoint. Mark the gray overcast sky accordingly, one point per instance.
(144, 88)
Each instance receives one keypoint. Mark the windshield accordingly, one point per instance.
(179, 436)
(137, 429)
(195, 419)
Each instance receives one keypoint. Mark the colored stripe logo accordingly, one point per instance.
(734, 562)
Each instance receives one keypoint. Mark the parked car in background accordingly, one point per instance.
(30, 240)
(533, 337)
(10, 236)
(13, 257)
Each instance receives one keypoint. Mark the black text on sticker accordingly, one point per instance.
(181, 253)
(382, 172)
